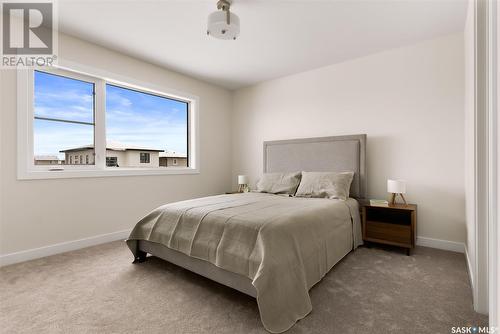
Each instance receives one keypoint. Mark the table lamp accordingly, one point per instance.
(396, 187)
(242, 183)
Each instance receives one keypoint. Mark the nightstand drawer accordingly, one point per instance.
(389, 232)
(385, 215)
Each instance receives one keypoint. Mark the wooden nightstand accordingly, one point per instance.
(393, 225)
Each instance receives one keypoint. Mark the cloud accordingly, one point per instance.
(113, 97)
(71, 113)
(71, 105)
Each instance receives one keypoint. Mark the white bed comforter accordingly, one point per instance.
(284, 245)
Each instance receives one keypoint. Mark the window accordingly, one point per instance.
(80, 119)
(145, 158)
(63, 115)
(111, 162)
(175, 162)
(138, 120)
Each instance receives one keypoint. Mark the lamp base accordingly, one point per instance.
(393, 198)
(242, 188)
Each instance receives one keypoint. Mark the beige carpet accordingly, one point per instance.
(98, 290)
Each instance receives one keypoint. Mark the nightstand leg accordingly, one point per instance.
(408, 252)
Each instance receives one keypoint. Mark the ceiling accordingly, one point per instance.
(278, 37)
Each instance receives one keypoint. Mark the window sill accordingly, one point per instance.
(110, 172)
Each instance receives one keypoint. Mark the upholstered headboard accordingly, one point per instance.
(323, 154)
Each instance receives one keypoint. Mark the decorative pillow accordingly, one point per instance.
(279, 183)
(329, 185)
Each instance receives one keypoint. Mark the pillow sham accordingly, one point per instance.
(325, 185)
(279, 183)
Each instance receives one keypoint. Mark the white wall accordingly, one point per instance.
(37, 213)
(410, 103)
(469, 145)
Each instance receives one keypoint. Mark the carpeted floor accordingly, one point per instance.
(98, 290)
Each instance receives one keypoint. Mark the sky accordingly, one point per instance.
(132, 117)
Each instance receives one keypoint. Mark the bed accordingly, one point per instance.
(271, 247)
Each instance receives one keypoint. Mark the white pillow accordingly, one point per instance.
(279, 183)
(329, 185)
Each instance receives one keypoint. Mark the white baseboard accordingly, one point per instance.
(62, 247)
(453, 246)
(469, 268)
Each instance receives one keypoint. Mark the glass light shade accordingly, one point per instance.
(217, 25)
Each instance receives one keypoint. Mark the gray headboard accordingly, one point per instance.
(323, 154)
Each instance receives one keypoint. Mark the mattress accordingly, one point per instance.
(282, 245)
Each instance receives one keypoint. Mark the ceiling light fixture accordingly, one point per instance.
(223, 24)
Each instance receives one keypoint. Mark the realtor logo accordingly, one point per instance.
(28, 34)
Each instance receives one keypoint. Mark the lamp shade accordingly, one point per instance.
(396, 186)
(242, 179)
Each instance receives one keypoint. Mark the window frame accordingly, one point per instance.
(25, 122)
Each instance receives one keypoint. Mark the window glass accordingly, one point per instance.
(111, 162)
(141, 129)
(137, 120)
(145, 158)
(64, 118)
